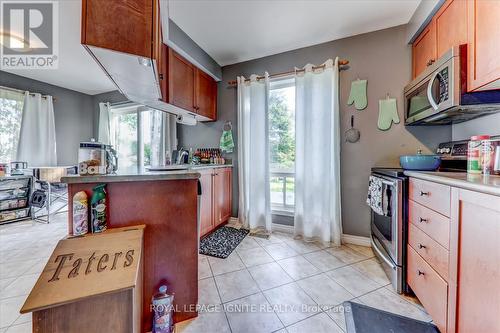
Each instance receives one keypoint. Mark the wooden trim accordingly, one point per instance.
(84, 22)
(453, 259)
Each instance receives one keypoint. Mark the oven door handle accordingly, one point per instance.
(381, 255)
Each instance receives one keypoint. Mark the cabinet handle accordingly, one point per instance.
(430, 62)
(161, 76)
(422, 193)
(423, 220)
(420, 272)
(420, 246)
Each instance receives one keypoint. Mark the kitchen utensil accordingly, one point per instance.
(420, 162)
(352, 135)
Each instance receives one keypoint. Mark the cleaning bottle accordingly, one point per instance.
(98, 208)
(80, 214)
(163, 311)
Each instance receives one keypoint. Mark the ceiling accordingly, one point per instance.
(77, 70)
(236, 31)
(230, 31)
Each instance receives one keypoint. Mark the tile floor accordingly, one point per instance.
(275, 285)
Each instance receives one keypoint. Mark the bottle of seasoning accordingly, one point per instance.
(98, 208)
(474, 153)
(163, 311)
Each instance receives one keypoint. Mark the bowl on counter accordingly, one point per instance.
(420, 162)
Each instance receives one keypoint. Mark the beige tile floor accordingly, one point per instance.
(275, 285)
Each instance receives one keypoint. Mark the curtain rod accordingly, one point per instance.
(23, 91)
(341, 63)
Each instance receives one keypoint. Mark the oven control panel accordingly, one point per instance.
(453, 150)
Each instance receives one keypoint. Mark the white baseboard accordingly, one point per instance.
(233, 220)
(356, 240)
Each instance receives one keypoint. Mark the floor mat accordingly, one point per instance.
(222, 242)
(364, 319)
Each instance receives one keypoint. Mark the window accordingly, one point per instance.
(138, 135)
(11, 110)
(282, 145)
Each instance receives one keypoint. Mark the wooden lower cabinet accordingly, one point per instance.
(215, 203)
(474, 263)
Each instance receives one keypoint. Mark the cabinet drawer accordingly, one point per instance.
(430, 288)
(429, 250)
(432, 195)
(433, 224)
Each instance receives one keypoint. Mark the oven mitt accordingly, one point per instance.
(358, 94)
(387, 113)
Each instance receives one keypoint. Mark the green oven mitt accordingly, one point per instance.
(387, 113)
(358, 94)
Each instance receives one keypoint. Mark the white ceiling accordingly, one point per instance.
(240, 30)
(77, 70)
(230, 31)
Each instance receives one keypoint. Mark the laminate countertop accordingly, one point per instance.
(479, 183)
(143, 174)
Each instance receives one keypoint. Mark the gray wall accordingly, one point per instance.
(382, 57)
(489, 125)
(73, 112)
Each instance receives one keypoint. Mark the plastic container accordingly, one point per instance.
(163, 311)
(92, 158)
(474, 153)
(80, 214)
(487, 155)
(98, 211)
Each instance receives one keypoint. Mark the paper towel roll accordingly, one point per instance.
(186, 120)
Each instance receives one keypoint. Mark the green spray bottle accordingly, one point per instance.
(98, 208)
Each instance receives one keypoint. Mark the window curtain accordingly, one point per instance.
(104, 135)
(163, 136)
(317, 161)
(37, 138)
(253, 154)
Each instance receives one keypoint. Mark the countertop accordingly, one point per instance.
(479, 183)
(135, 174)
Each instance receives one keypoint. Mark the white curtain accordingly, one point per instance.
(253, 154)
(37, 139)
(163, 136)
(317, 156)
(104, 135)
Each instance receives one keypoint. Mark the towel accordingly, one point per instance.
(226, 141)
(387, 113)
(375, 194)
(358, 94)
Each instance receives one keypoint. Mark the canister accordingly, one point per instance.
(474, 152)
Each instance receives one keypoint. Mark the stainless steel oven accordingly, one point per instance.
(388, 232)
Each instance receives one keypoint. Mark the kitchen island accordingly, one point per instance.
(166, 202)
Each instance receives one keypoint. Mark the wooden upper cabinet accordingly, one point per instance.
(181, 75)
(205, 95)
(424, 50)
(483, 18)
(451, 26)
(120, 25)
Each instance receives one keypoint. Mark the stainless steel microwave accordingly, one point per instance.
(439, 95)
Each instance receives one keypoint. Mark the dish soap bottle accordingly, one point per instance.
(163, 311)
(98, 208)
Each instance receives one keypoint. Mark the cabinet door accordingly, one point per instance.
(206, 95)
(102, 26)
(424, 50)
(451, 25)
(475, 257)
(206, 202)
(483, 48)
(181, 75)
(222, 195)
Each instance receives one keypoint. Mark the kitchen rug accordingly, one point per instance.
(360, 318)
(222, 242)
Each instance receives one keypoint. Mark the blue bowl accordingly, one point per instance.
(420, 162)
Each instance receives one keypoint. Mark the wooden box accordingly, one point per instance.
(91, 284)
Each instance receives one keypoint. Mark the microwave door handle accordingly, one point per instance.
(429, 92)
